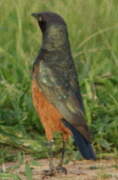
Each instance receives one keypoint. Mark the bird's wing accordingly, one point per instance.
(62, 92)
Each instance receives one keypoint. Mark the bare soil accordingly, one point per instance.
(77, 170)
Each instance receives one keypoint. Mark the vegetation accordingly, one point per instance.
(93, 33)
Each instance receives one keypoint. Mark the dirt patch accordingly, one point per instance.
(77, 170)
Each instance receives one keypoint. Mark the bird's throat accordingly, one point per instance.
(55, 38)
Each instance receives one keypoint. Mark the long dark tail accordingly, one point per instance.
(83, 145)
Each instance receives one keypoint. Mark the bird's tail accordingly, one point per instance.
(83, 145)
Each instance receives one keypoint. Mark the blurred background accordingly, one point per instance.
(93, 34)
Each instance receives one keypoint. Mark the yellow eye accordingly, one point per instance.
(40, 18)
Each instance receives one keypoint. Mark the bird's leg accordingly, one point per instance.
(62, 154)
(51, 155)
(60, 167)
(51, 170)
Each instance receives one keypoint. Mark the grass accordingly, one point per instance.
(93, 34)
(105, 176)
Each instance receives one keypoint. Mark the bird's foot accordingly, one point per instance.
(53, 172)
(60, 169)
(50, 172)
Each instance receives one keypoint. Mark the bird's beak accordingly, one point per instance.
(36, 15)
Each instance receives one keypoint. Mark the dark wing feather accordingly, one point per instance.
(59, 84)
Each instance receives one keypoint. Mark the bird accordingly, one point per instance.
(55, 88)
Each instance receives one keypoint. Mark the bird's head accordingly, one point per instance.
(54, 30)
(47, 19)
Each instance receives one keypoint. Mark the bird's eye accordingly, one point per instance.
(40, 19)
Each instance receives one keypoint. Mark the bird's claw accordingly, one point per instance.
(50, 172)
(61, 169)
(53, 172)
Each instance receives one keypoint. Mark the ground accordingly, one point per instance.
(77, 170)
